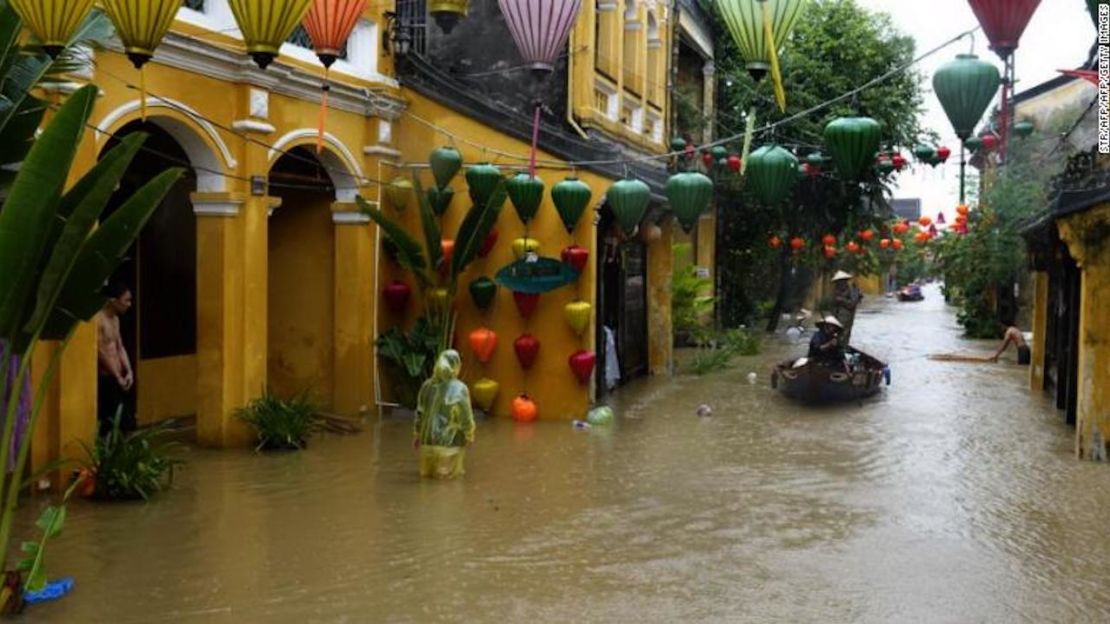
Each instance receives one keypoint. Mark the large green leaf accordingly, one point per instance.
(101, 254)
(10, 27)
(77, 214)
(432, 236)
(32, 203)
(409, 253)
(474, 230)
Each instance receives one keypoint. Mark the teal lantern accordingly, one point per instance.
(745, 20)
(974, 144)
(852, 143)
(924, 153)
(772, 173)
(689, 195)
(445, 162)
(965, 88)
(1024, 128)
(440, 199)
(628, 200)
(720, 152)
(526, 193)
(482, 180)
(483, 291)
(572, 197)
(678, 144)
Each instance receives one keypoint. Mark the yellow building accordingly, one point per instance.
(259, 272)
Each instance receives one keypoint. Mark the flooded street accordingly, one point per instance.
(952, 497)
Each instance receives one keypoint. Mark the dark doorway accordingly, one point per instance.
(622, 300)
(160, 332)
(1061, 359)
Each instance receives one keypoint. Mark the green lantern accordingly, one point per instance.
(678, 144)
(440, 199)
(482, 180)
(772, 172)
(744, 19)
(482, 291)
(445, 162)
(965, 88)
(399, 192)
(526, 193)
(629, 200)
(852, 143)
(572, 197)
(974, 144)
(924, 153)
(720, 152)
(1024, 128)
(689, 195)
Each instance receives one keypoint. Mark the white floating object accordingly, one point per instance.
(705, 411)
(752, 377)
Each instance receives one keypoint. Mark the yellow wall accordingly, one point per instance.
(1040, 326)
(1088, 242)
(167, 388)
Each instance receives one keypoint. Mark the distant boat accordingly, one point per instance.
(912, 292)
(813, 382)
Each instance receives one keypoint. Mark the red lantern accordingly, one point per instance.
(775, 242)
(526, 303)
(810, 169)
(854, 247)
(990, 142)
(487, 245)
(329, 24)
(577, 257)
(901, 228)
(527, 348)
(1004, 21)
(483, 342)
(963, 209)
(867, 235)
(829, 240)
(830, 252)
(707, 159)
(897, 244)
(925, 221)
(921, 237)
(582, 365)
(734, 163)
(524, 409)
(943, 153)
(397, 295)
(797, 244)
(691, 152)
(884, 243)
(899, 161)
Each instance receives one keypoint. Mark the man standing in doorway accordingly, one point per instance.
(846, 298)
(116, 377)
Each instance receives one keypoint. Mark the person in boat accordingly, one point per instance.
(846, 298)
(1013, 336)
(826, 346)
(444, 425)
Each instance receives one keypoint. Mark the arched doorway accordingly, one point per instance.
(160, 331)
(301, 286)
(621, 301)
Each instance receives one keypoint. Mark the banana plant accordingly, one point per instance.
(439, 282)
(56, 250)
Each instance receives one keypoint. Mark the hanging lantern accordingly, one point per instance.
(447, 13)
(526, 193)
(925, 222)
(989, 142)
(689, 195)
(852, 143)
(772, 172)
(678, 144)
(853, 247)
(774, 242)
(52, 22)
(828, 240)
(482, 180)
(974, 144)
(483, 342)
(707, 159)
(897, 244)
(899, 161)
(884, 243)
(267, 25)
(445, 163)
(440, 199)
(797, 243)
(924, 153)
(484, 392)
(884, 165)
(577, 315)
(629, 200)
(943, 153)
(1024, 128)
(527, 348)
(1004, 21)
(329, 23)
(526, 303)
(810, 169)
(540, 29)
(962, 210)
(576, 257)
(760, 29)
(141, 26)
(867, 235)
(965, 87)
(396, 295)
(483, 291)
(525, 246)
(830, 252)
(571, 197)
(399, 192)
(582, 365)
(734, 163)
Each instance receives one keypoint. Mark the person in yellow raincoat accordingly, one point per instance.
(444, 420)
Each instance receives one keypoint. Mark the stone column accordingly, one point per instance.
(659, 321)
(1040, 326)
(1087, 235)
(354, 300)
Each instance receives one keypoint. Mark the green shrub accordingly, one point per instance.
(281, 424)
(409, 358)
(710, 360)
(129, 466)
(741, 342)
(689, 303)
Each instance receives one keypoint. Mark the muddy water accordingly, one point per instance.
(952, 498)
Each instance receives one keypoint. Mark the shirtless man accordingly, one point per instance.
(1014, 336)
(116, 376)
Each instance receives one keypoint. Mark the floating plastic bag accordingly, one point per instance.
(601, 416)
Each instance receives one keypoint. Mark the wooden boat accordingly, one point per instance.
(911, 293)
(814, 382)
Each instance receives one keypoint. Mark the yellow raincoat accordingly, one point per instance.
(444, 420)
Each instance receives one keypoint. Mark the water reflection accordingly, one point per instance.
(953, 497)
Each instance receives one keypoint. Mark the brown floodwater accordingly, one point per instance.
(953, 497)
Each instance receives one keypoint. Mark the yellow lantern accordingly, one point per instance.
(447, 13)
(266, 24)
(53, 22)
(141, 26)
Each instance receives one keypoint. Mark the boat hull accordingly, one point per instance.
(819, 383)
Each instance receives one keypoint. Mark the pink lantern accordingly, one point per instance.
(540, 28)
